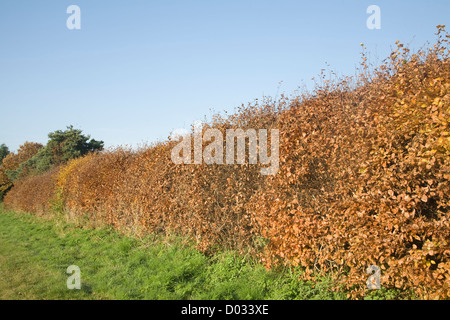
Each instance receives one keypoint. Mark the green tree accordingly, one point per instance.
(4, 151)
(61, 147)
(69, 144)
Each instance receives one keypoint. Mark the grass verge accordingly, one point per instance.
(35, 254)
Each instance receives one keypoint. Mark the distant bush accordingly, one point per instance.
(363, 180)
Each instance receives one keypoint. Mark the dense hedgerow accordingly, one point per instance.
(363, 180)
(34, 194)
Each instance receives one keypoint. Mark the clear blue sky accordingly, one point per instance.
(137, 70)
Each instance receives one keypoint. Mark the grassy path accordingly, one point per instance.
(35, 253)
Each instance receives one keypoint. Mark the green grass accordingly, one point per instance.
(35, 253)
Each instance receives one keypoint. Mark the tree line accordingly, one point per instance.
(34, 158)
